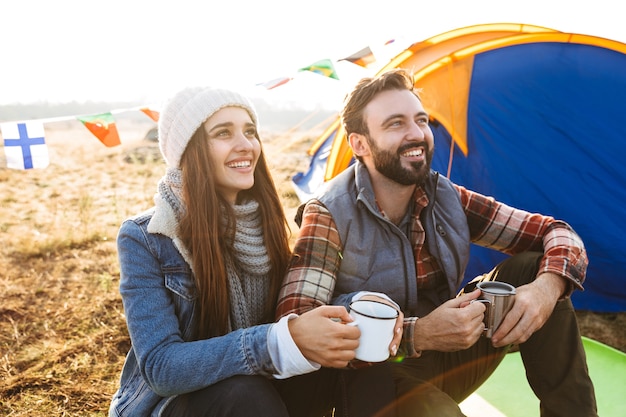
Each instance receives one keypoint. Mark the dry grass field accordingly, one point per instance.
(62, 331)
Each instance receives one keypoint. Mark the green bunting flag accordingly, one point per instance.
(324, 67)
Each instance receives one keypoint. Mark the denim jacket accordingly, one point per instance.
(159, 298)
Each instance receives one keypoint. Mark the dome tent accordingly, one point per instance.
(530, 116)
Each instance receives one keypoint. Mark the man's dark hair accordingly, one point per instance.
(365, 90)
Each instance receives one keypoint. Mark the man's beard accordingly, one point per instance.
(389, 164)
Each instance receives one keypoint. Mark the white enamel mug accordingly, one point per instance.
(376, 322)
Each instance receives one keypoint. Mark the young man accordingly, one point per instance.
(389, 225)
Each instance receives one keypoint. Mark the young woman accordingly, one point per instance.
(200, 274)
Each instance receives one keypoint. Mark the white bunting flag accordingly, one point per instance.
(25, 145)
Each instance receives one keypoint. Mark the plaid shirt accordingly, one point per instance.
(310, 280)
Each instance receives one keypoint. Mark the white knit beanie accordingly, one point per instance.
(183, 114)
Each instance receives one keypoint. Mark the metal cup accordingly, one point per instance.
(498, 298)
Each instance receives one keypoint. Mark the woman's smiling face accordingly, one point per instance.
(234, 148)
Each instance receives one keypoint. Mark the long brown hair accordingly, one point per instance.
(203, 232)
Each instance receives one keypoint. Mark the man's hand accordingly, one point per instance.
(455, 325)
(533, 306)
(323, 337)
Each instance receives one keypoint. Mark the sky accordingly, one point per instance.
(145, 50)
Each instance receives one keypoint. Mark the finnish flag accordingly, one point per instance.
(25, 145)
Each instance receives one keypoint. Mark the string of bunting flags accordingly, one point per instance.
(25, 144)
(325, 67)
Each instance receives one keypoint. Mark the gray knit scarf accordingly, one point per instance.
(247, 267)
(170, 188)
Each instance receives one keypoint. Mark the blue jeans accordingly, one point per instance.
(238, 396)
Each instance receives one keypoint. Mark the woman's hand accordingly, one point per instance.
(322, 336)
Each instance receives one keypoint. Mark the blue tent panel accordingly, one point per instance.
(307, 183)
(545, 134)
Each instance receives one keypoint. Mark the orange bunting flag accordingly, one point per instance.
(362, 58)
(153, 114)
(103, 127)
